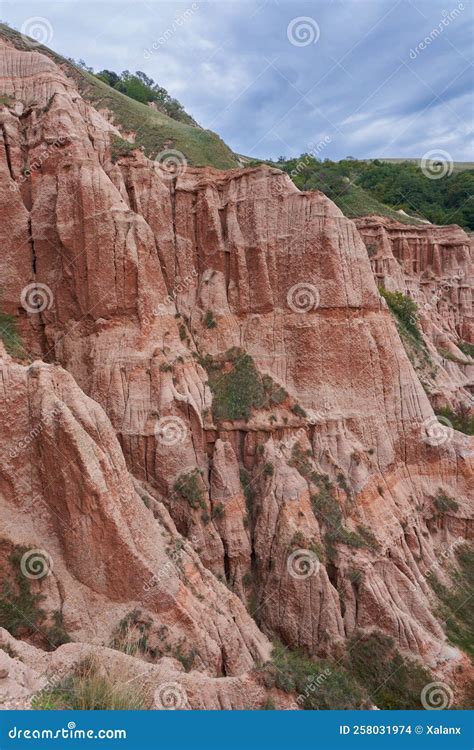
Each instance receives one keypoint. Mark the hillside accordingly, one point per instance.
(153, 130)
(458, 166)
(402, 190)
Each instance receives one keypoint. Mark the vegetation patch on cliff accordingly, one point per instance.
(132, 634)
(236, 385)
(190, 486)
(89, 688)
(458, 600)
(317, 684)
(461, 420)
(20, 610)
(393, 681)
(466, 348)
(9, 335)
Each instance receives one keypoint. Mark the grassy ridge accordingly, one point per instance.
(155, 131)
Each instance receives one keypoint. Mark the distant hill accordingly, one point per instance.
(458, 166)
(154, 129)
(399, 189)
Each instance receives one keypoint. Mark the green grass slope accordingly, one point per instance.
(154, 130)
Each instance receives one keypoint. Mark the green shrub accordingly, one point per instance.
(187, 660)
(444, 503)
(458, 600)
(218, 511)
(131, 635)
(236, 385)
(274, 393)
(393, 682)
(88, 689)
(268, 470)
(368, 537)
(209, 320)
(9, 336)
(300, 461)
(120, 147)
(461, 420)
(466, 348)
(405, 310)
(19, 607)
(355, 576)
(298, 411)
(329, 514)
(57, 634)
(318, 684)
(190, 486)
(20, 611)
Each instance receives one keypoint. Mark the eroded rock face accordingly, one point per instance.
(315, 504)
(65, 489)
(434, 266)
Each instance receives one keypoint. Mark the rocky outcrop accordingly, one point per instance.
(65, 489)
(217, 366)
(434, 266)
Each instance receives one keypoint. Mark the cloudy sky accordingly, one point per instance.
(364, 78)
